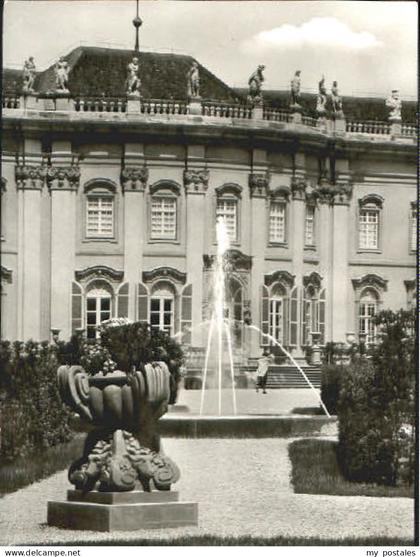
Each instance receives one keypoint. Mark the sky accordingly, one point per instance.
(370, 48)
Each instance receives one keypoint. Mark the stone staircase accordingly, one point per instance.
(288, 376)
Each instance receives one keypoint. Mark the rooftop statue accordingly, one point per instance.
(336, 101)
(193, 82)
(62, 76)
(255, 85)
(133, 80)
(321, 100)
(29, 70)
(295, 90)
(394, 103)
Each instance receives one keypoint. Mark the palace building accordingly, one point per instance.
(109, 205)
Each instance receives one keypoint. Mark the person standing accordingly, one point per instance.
(262, 370)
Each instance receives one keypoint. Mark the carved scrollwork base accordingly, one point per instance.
(118, 462)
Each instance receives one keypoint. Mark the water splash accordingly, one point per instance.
(218, 323)
(294, 363)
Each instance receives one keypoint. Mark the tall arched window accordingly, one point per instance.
(368, 308)
(101, 211)
(313, 314)
(164, 211)
(370, 208)
(162, 307)
(228, 208)
(234, 303)
(99, 307)
(278, 313)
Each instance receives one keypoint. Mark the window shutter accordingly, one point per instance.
(142, 303)
(265, 315)
(304, 315)
(76, 307)
(186, 313)
(321, 314)
(122, 301)
(286, 313)
(294, 321)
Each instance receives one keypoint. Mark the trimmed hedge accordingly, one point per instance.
(32, 415)
(377, 418)
(330, 386)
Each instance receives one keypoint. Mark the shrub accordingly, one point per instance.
(32, 414)
(134, 344)
(376, 407)
(330, 386)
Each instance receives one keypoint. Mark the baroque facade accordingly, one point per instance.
(109, 209)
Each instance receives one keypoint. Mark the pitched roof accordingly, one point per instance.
(103, 71)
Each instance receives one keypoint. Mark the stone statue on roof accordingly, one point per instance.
(394, 103)
(133, 81)
(193, 82)
(321, 100)
(29, 71)
(255, 85)
(62, 76)
(336, 101)
(295, 91)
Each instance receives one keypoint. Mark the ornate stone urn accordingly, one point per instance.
(122, 453)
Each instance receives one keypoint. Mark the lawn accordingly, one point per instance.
(315, 471)
(36, 466)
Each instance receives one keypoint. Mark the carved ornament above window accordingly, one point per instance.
(99, 271)
(284, 277)
(164, 272)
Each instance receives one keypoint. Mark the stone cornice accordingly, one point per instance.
(99, 271)
(283, 277)
(196, 181)
(30, 177)
(259, 183)
(63, 177)
(370, 279)
(134, 178)
(164, 273)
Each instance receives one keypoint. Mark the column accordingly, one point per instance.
(30, 178)
(196, 183)
(298, 230)
(63, 181)
(340, 279)
(259, 180)
(134, 177)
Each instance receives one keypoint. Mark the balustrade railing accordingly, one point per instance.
(10, 101)
(277, 115)
(158, 106)
(369, 127)
(409, 130)
(96, 104)
(224, 110)
(308, 121)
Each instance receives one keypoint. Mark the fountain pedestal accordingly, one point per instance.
(116, 511)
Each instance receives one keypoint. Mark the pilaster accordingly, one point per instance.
(63, 178)
(258, 181)
(30, 178)
(196, 179)
(340, 278)
(134, 176)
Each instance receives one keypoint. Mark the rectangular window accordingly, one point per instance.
(368, 229)
(163, 218)
(227, 209)
(413, 228)
(100, 217)
(310, 226)
(277, 226)
(367, 312)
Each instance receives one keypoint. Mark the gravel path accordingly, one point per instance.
(242, 487)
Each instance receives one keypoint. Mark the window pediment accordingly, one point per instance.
(165, 273)
(100, 186)
(99, 271)
(229, 189)
(370, 280)
(283, 277)
(165, 187)
(371, 200)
